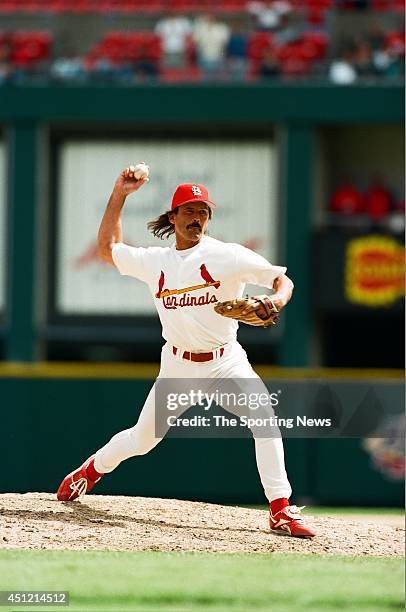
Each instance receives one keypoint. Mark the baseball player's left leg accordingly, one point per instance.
(135, 441)
(284, 518)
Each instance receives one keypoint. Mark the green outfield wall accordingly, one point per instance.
(51, 423)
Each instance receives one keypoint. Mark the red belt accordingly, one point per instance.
(199, 357)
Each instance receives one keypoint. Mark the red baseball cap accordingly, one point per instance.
(190, 192)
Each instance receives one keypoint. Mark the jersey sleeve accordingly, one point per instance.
(255, 269)
(131, 261)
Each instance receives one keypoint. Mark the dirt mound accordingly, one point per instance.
(39, 521)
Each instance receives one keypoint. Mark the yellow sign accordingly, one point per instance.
(374, 271)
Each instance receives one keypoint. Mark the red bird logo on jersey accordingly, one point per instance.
(170, 300)
(161, 283)
(206, 276)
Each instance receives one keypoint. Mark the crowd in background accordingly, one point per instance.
(375, 203)
(270, 43)
(374, 53)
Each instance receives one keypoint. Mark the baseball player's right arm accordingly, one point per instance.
(110, 230)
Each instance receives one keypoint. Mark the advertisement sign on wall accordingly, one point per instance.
(375, 270)
(359, 270)
(240, 176)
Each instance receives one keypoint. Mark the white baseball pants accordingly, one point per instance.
(140, 439)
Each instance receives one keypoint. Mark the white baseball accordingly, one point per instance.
(141, 171)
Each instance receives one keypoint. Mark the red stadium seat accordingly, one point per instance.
(191, 51)
(29, 47)
(5, 37)
(258, 43)
(381, 5)
(154, 48)
(396, 42)
(295, 67)
(9, 6)
(314, 45)
(288, 51)
(399, 6)
(388, 5)
(152, 6)
(120, 47)
(320, 5)
(180, 75)
(312, 7)
(188, 6)
(231, 6)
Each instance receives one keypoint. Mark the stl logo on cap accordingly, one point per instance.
(191, 192)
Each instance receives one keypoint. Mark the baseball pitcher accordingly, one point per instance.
(197, 285)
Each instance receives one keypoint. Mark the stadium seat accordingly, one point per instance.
(258, 43)
(314, 45)
(120, 47)
(295, 67)
(180, 75)
(29, 47)
(396, 42)
(381, 5)
(312, 7)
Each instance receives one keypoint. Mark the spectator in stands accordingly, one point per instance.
(269, 14)
(103, 70)
(396, 220)
(25, 56)
(289, 30)
(6, 71)
(376, 39)
(375, 36)
(342, 70)
(68, 68)
(362, 60)
(211, 37)
(347, 200)
(389, 59)
(378, 200)
(237, 54)
(317, 20)
(145, 69)
(269, 67)
(385, 64)
(174, 31)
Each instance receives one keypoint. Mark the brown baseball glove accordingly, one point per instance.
(258, 310)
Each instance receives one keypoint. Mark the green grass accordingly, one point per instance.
(325, 510)
(198, 582)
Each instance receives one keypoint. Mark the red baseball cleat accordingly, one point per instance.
(76, 484)
(289, 522)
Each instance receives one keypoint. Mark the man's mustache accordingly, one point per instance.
(194, 225)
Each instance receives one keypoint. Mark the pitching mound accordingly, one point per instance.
(100, 522)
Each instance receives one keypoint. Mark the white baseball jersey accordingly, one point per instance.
(186, 284)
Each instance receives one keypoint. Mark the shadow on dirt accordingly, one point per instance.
(84, 516)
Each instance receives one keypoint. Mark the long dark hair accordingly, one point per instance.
(162, 227)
